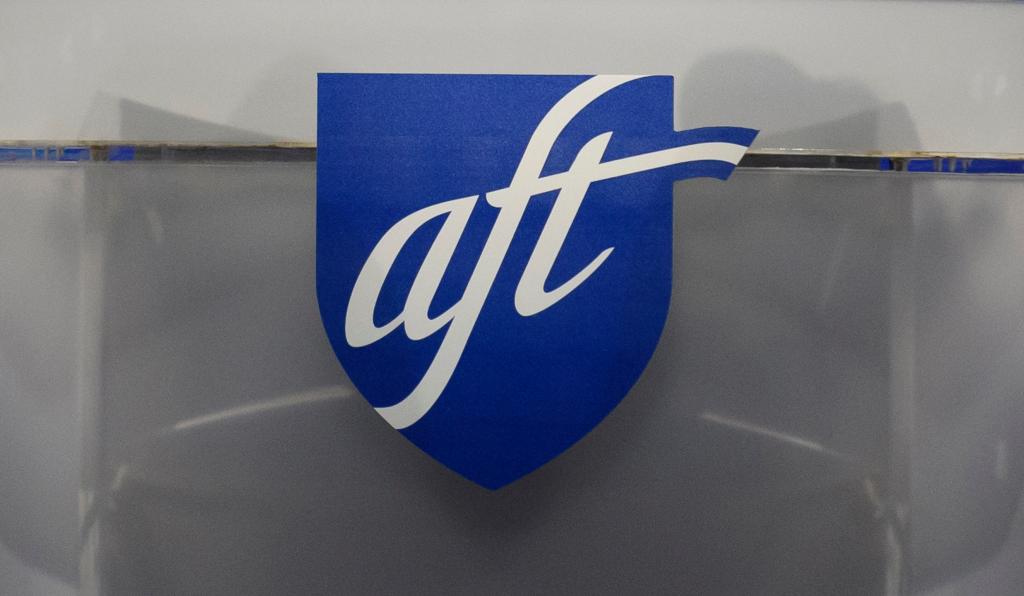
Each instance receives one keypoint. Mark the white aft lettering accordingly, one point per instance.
(530, 296)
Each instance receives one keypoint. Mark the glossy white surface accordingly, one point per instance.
(913, 75)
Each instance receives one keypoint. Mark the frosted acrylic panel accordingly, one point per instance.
(835, 405)
(40, 432)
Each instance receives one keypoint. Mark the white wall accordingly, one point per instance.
(825, 73)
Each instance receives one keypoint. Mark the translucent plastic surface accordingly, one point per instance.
(835, 405)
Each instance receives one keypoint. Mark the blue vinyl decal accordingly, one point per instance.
(494, 252)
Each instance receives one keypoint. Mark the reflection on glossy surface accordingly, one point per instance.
(767, 449)
(760, 452)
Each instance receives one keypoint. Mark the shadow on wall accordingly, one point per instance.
(141, 121)
(799, 111)
(285, 95)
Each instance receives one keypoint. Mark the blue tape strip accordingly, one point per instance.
(995, 166)
(965, 165)
(121, 153)
(16, 153)
(75, 154)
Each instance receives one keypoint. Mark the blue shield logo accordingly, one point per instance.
(494, 252)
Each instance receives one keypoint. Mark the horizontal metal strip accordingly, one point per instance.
(917, 161)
